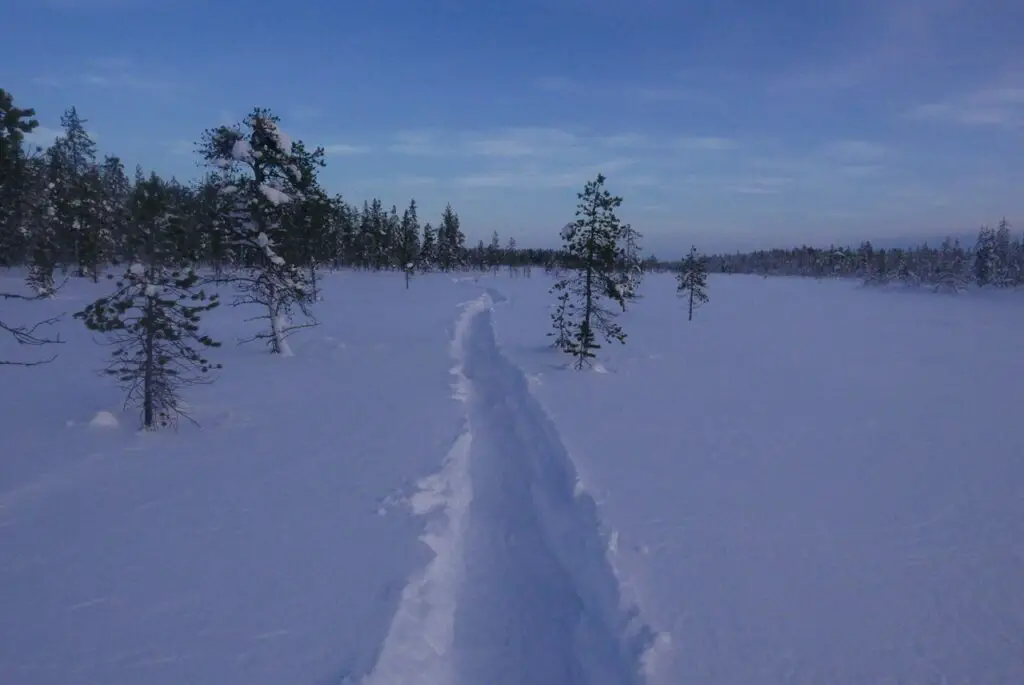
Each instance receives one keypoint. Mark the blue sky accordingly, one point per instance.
(729, 123)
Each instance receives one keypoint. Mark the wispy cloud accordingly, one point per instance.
(893, 38)
(114, 74)
(520, 142)
(536, 178)
(1002, 106)
(853, 151)
(43, 136)
(624, 140)
(182, 147)
(759, 185)
(560, 84)
(418, 143)
(340, 149)
(710, 143)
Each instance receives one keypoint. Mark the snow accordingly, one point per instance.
(273, 195)
(811, 482)
(152, 290)
(241, 150)
(137, 270)
(104, 419)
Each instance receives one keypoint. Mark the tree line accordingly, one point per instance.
(259, 222)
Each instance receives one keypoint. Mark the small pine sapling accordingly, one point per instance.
(152, 323)
(592, 251)
(693, 280)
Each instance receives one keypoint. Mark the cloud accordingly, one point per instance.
(889, 39)
(533, 178)
(559, 84)
(113, 74)
(521, 142)
(340, 149)
(624, 140)
(670, 93)
(500, 143)
(182, 147)
(1001, 106)
(760, 185)
(855, 151)
(43, 136)
(418, 143)
(710, 143)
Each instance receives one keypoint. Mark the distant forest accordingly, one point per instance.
(63, 209)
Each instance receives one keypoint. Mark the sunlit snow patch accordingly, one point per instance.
(104, 419)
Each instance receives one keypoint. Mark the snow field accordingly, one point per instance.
(811, 482)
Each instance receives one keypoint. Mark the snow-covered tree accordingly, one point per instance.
(494, 256)
(15, 180)
(631, 264)
(408, 246)
(592, 251)
(951, 269)
(428, 249)
(693, 280)
(77, 182)
(259, 172)
(152, 318)
(451, 242)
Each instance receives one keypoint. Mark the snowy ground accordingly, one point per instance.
(810, 483)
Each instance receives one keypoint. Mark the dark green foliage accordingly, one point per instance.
(15, 180)
(152, 322)
(592, 252)
(693, 280)
(152, 318)
(451, 242)
(269, 203)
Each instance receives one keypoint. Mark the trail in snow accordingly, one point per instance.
(521, 590)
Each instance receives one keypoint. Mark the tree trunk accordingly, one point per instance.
(149, 371)
(691, 303)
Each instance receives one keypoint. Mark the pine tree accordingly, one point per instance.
(494, 253)
(950, 272)
(985, 260)
(76, 179)
(152, 318)
(15, 180)
(510, 251)
(428, 250)
(592, 250)
(451, 243)
(631, 265)
(409, 241)
(259, 171)
(693, 280)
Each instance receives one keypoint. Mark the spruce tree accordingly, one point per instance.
(451, 242)
(631, 264)
(409, 241)
(259, 171)
(428, 250)
(15, 180)
(494, 253)
(76, 179)
(592, 252)
(693, 280)
(152, 318)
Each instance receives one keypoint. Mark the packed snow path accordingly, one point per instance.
(521, 590)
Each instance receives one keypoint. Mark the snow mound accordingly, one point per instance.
(104, 419)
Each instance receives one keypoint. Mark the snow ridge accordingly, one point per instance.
(540, 602)
(418, 647)
(520, 589)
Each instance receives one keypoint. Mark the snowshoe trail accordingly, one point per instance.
(521, 590)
